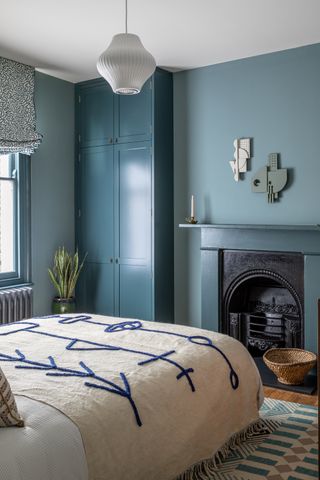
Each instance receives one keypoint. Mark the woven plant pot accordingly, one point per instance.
(290, 365)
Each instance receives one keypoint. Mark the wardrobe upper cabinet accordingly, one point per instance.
(133, 116)
(106, 118)
(96, 120)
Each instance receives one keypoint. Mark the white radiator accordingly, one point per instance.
(15, 304)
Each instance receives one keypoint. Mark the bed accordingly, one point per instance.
(124, 399)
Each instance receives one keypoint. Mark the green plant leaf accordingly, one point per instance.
(65, 272)
(76, 271)
(54, 281)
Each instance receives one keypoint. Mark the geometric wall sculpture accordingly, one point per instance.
(270, 179)
(241, 155)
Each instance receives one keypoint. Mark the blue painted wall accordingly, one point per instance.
(52, 182)
(275, 99)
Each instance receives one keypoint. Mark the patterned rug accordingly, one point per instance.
(290, 452)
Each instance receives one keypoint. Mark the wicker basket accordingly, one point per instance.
(290, 365)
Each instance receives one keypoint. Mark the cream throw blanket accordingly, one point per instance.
(150, 399)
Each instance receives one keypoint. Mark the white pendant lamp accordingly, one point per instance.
(126, 64)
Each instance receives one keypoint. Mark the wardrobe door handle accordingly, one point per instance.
(110, 140)
(116, 140)
(117, 260)
(111, 260)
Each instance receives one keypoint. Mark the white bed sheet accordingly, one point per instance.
(48, 447)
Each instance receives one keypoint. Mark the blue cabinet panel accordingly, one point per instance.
(133, 218)
(135, 292)
(133, 227)
(133, 116)
(96, 204)
(95, 292)
(96, 115)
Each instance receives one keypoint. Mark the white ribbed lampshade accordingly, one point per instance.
(126, 64)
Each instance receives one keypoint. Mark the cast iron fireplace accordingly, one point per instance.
(260, 284)
(262, 299)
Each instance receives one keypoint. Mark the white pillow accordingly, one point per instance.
(9, 415)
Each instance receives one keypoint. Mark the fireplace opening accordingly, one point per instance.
(262, 305)
(262, 298)
(263, 311)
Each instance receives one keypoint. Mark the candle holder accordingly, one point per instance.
(191, 220)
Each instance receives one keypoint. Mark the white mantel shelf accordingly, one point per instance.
(315, 228)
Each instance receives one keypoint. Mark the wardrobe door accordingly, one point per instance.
(96, 228)
(95, 290)
(133, 230)
(95, 114)
(133, 116)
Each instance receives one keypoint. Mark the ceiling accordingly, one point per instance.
(65, 38)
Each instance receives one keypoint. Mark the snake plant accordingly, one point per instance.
(65, 272)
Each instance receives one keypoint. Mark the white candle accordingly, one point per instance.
(236, 175)
(192, 206)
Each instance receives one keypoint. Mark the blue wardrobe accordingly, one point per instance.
(124, 199)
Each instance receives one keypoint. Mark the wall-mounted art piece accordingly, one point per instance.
(270, 179)
(241, 155)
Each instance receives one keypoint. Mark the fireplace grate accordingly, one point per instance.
(260, 331)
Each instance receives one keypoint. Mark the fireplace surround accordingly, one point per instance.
(288, 262)
(303, 240)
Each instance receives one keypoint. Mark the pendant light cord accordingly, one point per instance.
(126, 23)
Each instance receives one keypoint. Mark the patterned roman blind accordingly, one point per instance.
(17, 112)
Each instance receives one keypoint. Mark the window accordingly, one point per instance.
(14, 220)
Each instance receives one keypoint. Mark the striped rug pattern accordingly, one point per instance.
(290, 452)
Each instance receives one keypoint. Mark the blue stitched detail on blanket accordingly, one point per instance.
(120, 327)
(30, 326)
(137, 325)
(52, 369)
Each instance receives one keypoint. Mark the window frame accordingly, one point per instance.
(22, 224)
